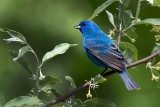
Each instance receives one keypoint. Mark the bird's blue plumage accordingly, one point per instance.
(104, 52)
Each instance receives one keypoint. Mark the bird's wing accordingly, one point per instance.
(115, 49)
(111, 56)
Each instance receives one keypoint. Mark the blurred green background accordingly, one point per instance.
(46, 23)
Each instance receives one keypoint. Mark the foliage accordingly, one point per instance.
(24, 101)
(96, 102)
(59, 49)
(123, 23)
(42, 83)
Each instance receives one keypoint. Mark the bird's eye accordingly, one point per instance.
(83, 24)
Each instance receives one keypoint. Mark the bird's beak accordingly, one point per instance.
(77, 27)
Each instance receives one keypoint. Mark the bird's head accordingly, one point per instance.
(87, 26)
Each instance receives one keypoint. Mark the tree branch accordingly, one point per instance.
(144, 60)
(64, 97)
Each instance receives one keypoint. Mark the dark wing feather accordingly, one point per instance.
(116, 49)
(112, 58)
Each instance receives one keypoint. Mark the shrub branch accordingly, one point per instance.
(78, 89)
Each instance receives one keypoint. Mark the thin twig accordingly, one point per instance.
(64, 97)
(119, 39)
(145, 60)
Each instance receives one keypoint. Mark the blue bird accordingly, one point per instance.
(104, 52)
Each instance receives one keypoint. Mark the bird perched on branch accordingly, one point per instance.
(104, 52)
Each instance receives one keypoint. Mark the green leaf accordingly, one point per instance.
(121, 9)
(22, 51)
(111, 18)
(71, 81)
(2, 100)
(101, 8)
(78, 103)
(130, 52)
(98, 102)
(72, 100)
(99, 79)
(59, 49)
(48, 82)
(24, 101)
(15, 36)
(57, 94)
(126, 18)
(47, 88)
(154, 2)
(117, 21)
(156, 48)
(134, 22)
(131, 33)
(73, 103)
(23, 62)
(128, 55)
(152, 21)
(125, 2)
(130, 13)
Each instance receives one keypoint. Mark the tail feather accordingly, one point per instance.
(128, 81)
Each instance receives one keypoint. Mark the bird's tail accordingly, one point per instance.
(128, 81)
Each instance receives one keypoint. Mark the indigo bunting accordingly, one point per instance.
(104, 52)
